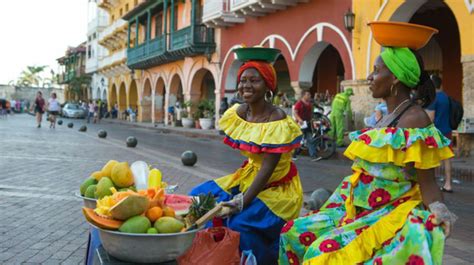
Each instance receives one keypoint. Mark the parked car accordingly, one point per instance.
(72, 110)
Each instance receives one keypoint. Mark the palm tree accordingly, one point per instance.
(31, 76)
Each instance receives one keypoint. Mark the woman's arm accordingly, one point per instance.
(268, 166)
(429, 188)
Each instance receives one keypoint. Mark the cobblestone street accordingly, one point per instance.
(40, 218)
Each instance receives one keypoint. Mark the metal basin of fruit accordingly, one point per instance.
(88, 202)
(145, 248)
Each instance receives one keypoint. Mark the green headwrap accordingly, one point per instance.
(403, 64)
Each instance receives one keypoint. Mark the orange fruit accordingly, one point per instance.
(154, 213)
(168, 211)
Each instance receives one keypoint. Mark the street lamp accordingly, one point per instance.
(349, 19)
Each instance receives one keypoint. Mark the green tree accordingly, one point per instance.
(78, 83)
(31, 76)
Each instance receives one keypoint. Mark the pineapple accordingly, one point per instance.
(199, 207)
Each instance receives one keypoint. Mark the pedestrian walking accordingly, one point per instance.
(439, 113)
(96, 112)
(91, 109)
(53, 109)
(39, 106)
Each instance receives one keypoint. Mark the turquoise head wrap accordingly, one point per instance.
(403, 64)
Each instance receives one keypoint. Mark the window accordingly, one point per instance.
(175, 26)
(126, 7)
(89, 52)
(159, 25)
(121, 12)
(94, 36)
(89, 38)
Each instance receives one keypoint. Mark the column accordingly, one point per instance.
(172, 24)
(129, 31)
(165, 23)
(148, 25)
(468, 84)
(136, 32)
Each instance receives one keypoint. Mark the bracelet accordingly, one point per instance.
(239, 199)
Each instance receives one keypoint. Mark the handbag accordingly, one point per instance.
(213, 246)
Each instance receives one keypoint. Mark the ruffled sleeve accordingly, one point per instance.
(280, 136)
(425, 147)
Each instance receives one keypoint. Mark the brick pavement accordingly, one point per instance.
(41, 221)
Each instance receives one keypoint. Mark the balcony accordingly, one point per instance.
(147, 54)
(97, 24)
(114, 36)
(113, 59)
(217, 14)
(188, 41)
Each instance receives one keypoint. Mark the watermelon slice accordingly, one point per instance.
(180, 203)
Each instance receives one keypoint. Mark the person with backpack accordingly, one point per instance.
(439, 112)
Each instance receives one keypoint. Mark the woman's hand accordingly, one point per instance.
(233, 206)
(443, 216)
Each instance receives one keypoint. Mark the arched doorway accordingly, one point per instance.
(122, 100)
(322, 71)
(133, 97)
(112, 97)
(146, 102)
(104, 94)
(202, 86)
(231, 79)
(160, 100)
(283, 78)
(175, 91)
(97, 93)
(442, 54)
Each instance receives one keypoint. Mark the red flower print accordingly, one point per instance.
(287, 226)
(407, 135)
(429, 223)
(365, 138)
(344, 197)
(292, 258)
(400, 201)
(391, 130)
(366, 179)
(359, 230)
(379, 197)
(415, 260)
(402, 238)
(333, 205)
(386, 243)
(307, 238)
(345, 184)
(365, 130)
(416, 220)
(431, 142)
(362, 214)
(329, 245)
(378, 261)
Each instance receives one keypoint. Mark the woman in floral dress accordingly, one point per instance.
(390, 210)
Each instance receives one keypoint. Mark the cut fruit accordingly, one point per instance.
(130, 206)
(100, 221)
(180, 203)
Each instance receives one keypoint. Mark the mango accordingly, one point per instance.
(90, 192)
(122, 175)
(103, 188)
(107, 169)
(137, 224)
(168, 224)
(152, 230)
(87, 183)
(97, 175)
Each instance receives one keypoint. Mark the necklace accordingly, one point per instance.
(399, 105)
(388, 119)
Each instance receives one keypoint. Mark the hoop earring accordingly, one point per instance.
(270, 98)
(391, 91)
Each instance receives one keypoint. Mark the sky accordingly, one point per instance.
(37, 32)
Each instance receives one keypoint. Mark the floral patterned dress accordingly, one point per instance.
(376, 215)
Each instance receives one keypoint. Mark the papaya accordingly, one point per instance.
(100, 221)
(87, 183)
(136, 224)
(130, 206)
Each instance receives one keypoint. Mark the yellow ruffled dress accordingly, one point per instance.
(260, 222)
(376, 215)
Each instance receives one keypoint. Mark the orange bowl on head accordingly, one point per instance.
(401, 34)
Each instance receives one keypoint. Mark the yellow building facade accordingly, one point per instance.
(450, 53)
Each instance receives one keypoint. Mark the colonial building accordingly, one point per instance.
(169, 50)
(73, 75)
(450, 53)
(316, 47)
(98, 20)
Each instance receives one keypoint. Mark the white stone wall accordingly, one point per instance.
(468, 85)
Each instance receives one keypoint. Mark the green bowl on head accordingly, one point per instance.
(257, 54)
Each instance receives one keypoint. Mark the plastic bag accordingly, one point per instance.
(213, 246)
(248, 258)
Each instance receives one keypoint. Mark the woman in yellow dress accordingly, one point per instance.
(266, 191)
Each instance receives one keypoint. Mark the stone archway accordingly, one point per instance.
(122, 98)
(322, 70)
(283, 77)
(160, 93)
(104, 94)
(231, 78)
(442, 54)
(97, 93)
(133, 96)
(146, 109)
(175, 91)
(203, 86)
(112, 97)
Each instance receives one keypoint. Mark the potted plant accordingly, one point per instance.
(208, 109)
(196, 116)
(187, 121)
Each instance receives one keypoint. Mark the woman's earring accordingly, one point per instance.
(391, 91)
(269, 99)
